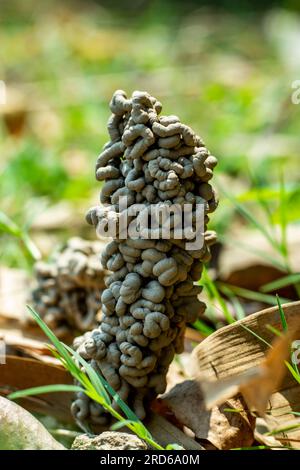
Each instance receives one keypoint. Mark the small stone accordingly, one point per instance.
(108, 440)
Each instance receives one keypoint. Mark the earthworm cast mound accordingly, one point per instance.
(155, 162)
(68, 289)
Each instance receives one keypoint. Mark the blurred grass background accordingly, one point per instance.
(225, 68)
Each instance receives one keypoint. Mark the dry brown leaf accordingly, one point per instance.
(175, 375)
(253, 276)
(224, 429)
(235, 259)
(21, 373)
(217, 392)
(13, 292)
(166, 433)
(269, 433)
(255, 384)
(257, 391)
(55, 217)
(15, 111)
(233, 357)
(266, 440)
(192, 336)
(18, 342)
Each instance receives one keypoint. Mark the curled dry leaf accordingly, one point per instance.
(262, 434)
(222, 428)
(255, 384)
(233, 359)
(19, 344)
(19, 430)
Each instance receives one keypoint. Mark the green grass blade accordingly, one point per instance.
(240, 312)
(80, 376)
(265, 194)
(262, 447)
(96, 388)
(256, 335)
(283, 211)
(9, 226)
(203, 328)
(233, 410)
(253, 250)
(294, 373)
(263, 201)
(102, 385)
(252, 295)
(274, 330)
(62, 351)
(174, 447)
(285, 328)
(45, 389)
(282, 315)
(97, 380)
(121, 424)
(252, 220)
(213, 292)
(30, 247)
(280, 283)
(284, 429)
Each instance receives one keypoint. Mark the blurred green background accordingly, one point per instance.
(226, 68)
